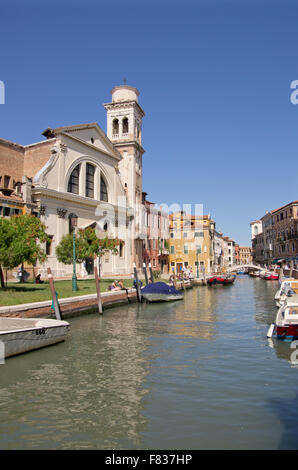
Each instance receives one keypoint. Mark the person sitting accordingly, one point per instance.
(115, 286)
(38, 280)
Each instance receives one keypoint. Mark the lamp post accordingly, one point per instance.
(74, 274)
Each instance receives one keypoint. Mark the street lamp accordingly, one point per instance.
(74, 274)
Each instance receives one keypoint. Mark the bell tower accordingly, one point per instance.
(124, 129)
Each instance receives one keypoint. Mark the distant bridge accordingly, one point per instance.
(240, 267)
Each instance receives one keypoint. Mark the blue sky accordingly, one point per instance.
(214, 79)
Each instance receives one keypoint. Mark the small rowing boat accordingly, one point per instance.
(20, 335)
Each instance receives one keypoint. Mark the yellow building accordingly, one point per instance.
(191, 243)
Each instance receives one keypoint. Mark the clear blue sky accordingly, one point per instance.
(214, 79)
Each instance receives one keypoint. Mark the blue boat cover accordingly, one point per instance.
(160, 288)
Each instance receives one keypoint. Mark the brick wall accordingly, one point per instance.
(36, 157)
(11, 162)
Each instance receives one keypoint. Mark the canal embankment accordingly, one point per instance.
(70, 306)
(77, 305)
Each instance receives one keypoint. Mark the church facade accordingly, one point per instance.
(79, 177)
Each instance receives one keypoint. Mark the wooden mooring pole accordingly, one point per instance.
(145, 273)
(151, 273)
(174, 274)
(139, 296)
(97, 281)
(54, 297)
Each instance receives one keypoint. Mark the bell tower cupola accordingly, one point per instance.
(124, 115)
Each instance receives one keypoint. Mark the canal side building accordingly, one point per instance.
(156, 227)
(79, 177)
(191, 243)
(245, 255)
(275, 236)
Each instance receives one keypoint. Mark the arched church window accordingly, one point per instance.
(125, 125)
(90, 170)
(103, 190)
(73, 182)
(115, 126)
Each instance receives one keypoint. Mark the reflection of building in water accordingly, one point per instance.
(88, 391)
(196, 316)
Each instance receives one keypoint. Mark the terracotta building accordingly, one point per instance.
(156, 225)
(285, 232)
(245, 255)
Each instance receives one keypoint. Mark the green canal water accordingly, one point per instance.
(194, 374)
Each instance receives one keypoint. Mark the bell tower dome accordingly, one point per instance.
(124, 115)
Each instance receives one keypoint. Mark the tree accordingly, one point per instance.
(64, 251)
(20, 242)
(87, 245)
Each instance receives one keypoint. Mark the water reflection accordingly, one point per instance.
(197, 373)
(287, 350)
(196, 316)
(89, 397)
(265, 307)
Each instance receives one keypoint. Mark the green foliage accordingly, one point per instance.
(64, 251)
(20, 238)
(156, 274)
(98, 246)
(87, 245)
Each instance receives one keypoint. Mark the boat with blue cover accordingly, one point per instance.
(160, 292)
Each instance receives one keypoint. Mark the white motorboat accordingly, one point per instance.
(287, 287)
(20, 335)
(286, 322)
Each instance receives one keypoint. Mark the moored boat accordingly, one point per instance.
(287, 287)
(211, 280)
(229, 279)
(271, 276)
(254, 274)
(160, 292)
(20, 335)
(286, 322)
(220, 279)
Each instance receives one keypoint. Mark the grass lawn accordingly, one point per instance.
(30, 292)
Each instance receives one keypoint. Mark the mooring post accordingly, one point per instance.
(291, 268)
(151, 273)
(145, 273)
(53, 292)
(183, 283)
(97, 281)
(174, 274)
(137, 283)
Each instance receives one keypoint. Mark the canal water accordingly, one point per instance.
(194, 374)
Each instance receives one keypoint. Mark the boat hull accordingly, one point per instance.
(287, 332)
(24, 335)
(161, 297)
